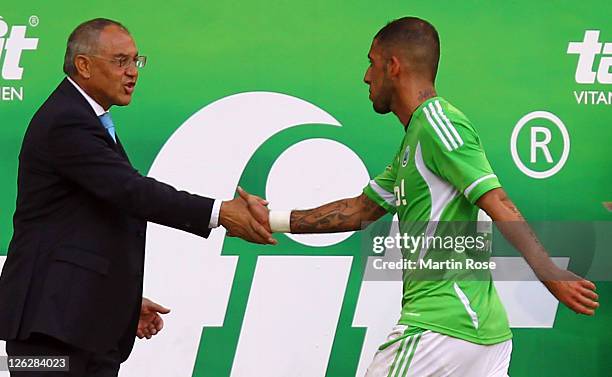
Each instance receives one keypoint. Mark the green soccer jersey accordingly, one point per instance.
(438, 174)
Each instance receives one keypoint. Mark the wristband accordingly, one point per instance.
(280, 221)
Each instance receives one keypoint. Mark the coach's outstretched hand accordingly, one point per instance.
(244, 218)
(575, 292)
(258, 207)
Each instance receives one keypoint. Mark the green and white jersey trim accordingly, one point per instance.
(471, 187)
(466, 304)
(387, 197)
(439, 121)
(440, 191)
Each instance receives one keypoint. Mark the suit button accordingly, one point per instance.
(141, 233)
(187, 225)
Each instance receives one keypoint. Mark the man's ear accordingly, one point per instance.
(393, 66)
(83, 66)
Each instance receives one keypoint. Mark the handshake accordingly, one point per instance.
(247, 217)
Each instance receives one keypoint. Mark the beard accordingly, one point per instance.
(382, 102)
(381, 108)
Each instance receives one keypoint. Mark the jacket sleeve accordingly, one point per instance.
(80, 153)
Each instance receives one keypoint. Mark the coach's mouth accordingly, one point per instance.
(129, 87)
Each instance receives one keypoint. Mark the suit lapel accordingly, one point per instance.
(78, 99)
(110, 140)
(72, 92)
(120, 149)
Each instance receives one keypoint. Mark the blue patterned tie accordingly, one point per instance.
(108, 124)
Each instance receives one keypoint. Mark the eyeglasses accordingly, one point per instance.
(126, 61)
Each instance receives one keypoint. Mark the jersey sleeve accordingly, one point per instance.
(453, 151)
(380, 188)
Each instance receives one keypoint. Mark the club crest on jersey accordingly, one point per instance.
(406, 156)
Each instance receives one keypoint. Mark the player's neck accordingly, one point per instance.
(410, 96)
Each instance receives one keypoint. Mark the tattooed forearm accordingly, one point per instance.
(511, 207)
(519, 217)
(339, 216)
(371, 211)
(515, 229)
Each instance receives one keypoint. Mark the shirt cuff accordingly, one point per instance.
(480, 187)
(214, 215)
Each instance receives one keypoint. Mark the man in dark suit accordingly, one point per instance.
(72, 281)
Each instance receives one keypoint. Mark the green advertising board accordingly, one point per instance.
(270, 95)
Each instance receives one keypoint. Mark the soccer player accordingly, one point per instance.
(447, 327)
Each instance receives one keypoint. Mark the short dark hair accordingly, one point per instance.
(417, 39)
(84, 40)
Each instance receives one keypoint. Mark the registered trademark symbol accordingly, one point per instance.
(34, 21)
(542, 144)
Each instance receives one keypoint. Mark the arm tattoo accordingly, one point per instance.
(516, 230)
(521, 220)
(339, 216)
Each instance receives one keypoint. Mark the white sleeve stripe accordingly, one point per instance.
(384, 194)
(442, 125)
(471, 187)
(433, 124)
(449, 123)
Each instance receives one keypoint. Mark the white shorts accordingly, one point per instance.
(431, 354)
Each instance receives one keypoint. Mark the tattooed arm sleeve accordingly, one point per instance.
(339, 216)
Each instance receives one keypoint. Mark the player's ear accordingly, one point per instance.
(393, 66)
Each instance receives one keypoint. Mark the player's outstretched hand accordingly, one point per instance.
(258, 207)
(575, 292)
(235, 216)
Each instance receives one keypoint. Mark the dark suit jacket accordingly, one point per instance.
(75, 265)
